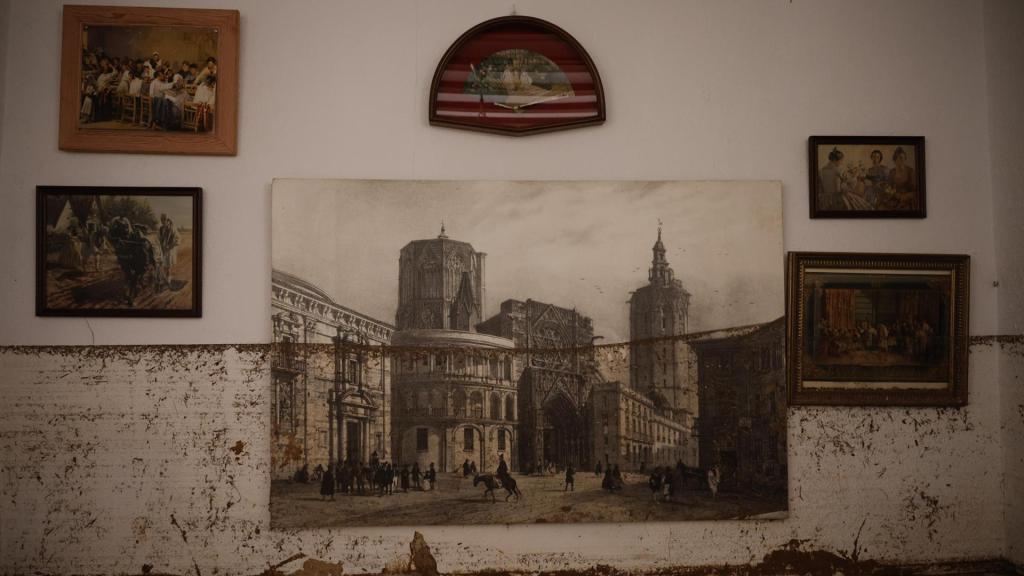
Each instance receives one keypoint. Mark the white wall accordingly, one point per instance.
(1004, 47)
(4, 22)
(696, 90)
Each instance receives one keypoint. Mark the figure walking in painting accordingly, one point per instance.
(71, 256)
(97, 237)
(169, 241)
(431, 476)
(714, 477)
(345, 478)
(617, 481)
(362, 475)
(302, 474)
(655, 482)
(570, 478)
(416, 476)
(327, 484)
(380, 477)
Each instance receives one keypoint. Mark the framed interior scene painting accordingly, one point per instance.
(103, 251)
(526, 352)
(516, 75)
(867, 176)
(878, 329)
(149, 80)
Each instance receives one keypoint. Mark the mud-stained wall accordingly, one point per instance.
(120, 458)
(1011, 377)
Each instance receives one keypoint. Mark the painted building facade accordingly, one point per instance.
(742, 423)
(330, 392)
(455, 388)
(554, 373)
(629, 430)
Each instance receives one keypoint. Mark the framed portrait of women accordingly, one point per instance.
(867, 176)
(149, 80)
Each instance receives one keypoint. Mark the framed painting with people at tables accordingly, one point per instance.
(149, 80)
(118, 251)
(877, 329)
(867, 176)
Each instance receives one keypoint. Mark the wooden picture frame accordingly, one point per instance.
(98, 114)
(119, 251)
(516, 75)
(866, 176)
(877, 329)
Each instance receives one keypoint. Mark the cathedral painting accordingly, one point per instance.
(522, 352)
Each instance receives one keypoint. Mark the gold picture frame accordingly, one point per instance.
(877, 329)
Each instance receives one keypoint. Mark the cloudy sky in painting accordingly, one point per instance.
(177, 208)
(575, 244)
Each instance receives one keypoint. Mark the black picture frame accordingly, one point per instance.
(89, 276)
(866, 190)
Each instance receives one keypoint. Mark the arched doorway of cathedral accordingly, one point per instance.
(501, 443)
(563, 440)
(468, 444)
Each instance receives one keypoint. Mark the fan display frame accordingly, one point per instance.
(532, 102)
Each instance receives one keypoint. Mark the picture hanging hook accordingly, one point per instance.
(513, 9)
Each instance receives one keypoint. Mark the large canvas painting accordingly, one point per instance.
(523, 352)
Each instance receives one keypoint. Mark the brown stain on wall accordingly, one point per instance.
(793, 558)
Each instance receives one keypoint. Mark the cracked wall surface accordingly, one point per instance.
(117, 458)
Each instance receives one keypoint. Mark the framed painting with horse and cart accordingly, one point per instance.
(118, 251)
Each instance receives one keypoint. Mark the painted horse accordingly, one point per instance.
(491, 484)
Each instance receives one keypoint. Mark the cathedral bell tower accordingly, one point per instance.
(657, 312)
